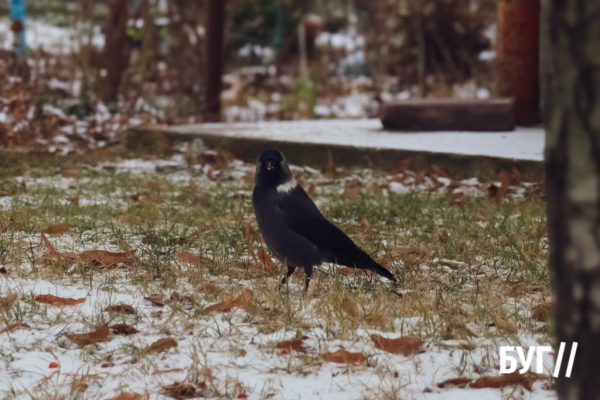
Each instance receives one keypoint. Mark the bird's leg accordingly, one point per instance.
(289, 273)
(309, 272)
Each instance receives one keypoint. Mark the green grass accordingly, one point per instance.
(456, 260)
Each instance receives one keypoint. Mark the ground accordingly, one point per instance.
(166, 240)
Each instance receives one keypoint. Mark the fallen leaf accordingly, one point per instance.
(542, 312)
(156, 300)
(15, 327)
(73, 200)
(181, 391)
(84, 339)
(242, 301)
(403, 165)
(211, 288)
(160, 345)
(293, 344)
(498, 193)
(330, 167)
(403, 345)
(460, 382)
(123, 329)
(411, 253)
(179, 298)
(127, 396)
(266, 260)
(365, 225)
(8, 301)
(189, 258)
(504, 325)
(518, 290)
(375, 319)
(342, 356)
(56, 229)
(103, 259)
(58, 301)
(513, 379)
(167, 371)
(437, 170)
(120, 308)
(349, 308)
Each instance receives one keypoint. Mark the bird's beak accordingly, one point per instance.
(269, 165)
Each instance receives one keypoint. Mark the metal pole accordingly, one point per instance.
(17, 14)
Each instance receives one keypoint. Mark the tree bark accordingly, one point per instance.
(571, 100)
(116, 51)
(214, 54)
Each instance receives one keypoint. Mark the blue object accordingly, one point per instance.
(17, 14)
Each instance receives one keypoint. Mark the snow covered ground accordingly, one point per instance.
(236, 353)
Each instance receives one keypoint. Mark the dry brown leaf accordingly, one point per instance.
(365, 225)
(411, 253)
(460, 382)
(73, 200)
(504, 325)
(403, 345)
(103, 259)
(520, 289)
(542, 312)
(498, 193)
(84, 339)
(8, 301)
(120, 308)
(160, 345)
(211, 288)
(56, 229)
(123, 329)
(190, 258)
(15, 327)
(156, 300)
(438, 171)
(179, 390)
(167, 371)
(342, 356)
(375, 319)
(58, 301)
(294, 344)
(403, 166)
(513, 379)
(266, 260)
(242, 301)
(349, 308)
(330, 167)
(127, 396)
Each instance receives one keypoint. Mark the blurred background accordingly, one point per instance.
(79, 73)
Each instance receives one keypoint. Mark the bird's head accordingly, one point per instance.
(272, 169)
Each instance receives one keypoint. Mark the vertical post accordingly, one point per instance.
(214, 54)
(518, 56)
(302, 50)
(421, 60)
(116, 52)
(17, 14)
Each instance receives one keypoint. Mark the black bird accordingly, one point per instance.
(293, 227)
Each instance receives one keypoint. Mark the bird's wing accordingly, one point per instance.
(303, 216)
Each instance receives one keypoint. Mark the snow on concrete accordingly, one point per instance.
(521, 144)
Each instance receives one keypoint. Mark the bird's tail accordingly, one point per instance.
(378, 269)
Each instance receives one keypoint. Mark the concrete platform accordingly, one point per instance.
(361, 143)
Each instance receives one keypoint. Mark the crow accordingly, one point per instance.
(293, 227)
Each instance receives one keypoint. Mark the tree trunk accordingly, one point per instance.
(116, 50)
(571, 96)
(214, 55)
